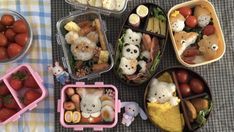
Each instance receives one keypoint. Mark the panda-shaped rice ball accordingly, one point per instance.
(130, 51)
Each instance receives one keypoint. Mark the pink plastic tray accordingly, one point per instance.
(96, 127)
(16, 94)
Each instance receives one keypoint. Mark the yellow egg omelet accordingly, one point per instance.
(166, 116)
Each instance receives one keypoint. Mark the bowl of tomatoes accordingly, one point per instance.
(15, 36)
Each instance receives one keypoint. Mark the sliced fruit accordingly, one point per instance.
(68, 116)
(6, 113)
(76, 117)
(30, 96)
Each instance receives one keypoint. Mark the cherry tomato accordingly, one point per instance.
(185, 11)
(3, 53)
(185, 90)
(7, 20)
(14, 50)
(20, 26)
(208, 30)
(197, 86)
(10, 35)
(182, 76)
(3, 40)
(191, 21)
(21, 39)
(2, 27)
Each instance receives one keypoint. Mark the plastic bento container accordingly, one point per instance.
(177, 74)
(96, 127)
(18, 95)
(142, 28)
(16, 15)
(101, 10)
(216, 23)
(67, 59)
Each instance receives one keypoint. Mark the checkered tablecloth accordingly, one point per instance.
(219, 75)
(39, 56)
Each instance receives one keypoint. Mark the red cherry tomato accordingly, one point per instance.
(185, 11)
(7, 20)
(191, 21)
(185, 90)
(20, 26)
(2, 27)
(10, 35)
(3, 40)
(208, 30)
(14, 50)
(21, 39)
(3, 53)
(197, 86)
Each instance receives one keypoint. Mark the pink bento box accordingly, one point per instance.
(17, 94)
(96, 127)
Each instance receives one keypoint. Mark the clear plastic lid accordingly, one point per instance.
(105, 7)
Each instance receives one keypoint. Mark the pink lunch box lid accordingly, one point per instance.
(96, 127)
(31, 106)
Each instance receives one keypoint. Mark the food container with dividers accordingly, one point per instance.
(203, 25)
(80, 125)
(86, 62)
(194, 100)
(141, 43)
(20, 96)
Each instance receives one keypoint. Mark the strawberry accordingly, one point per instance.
(16, 81)
(1, 102)
(6, 113)
(30, 82)
(3, 89)
(9, 102)
(30, 96)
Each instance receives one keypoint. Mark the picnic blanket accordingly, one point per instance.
(39, 56)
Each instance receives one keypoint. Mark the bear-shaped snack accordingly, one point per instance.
(132, 37)
(130, 51)
(91, 105)
(177, 21)
(128, 66)
(162, 92)
(184, 39)
(203, 16)
(83, 49)
(209, 47)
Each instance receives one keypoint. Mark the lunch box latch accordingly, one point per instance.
(59, 106)
(80, 83)
(64, 62)
(58, 39)
(99, 84)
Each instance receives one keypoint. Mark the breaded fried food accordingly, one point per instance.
(200, 104)
(192, 113)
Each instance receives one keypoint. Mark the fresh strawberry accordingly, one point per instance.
(3, 89)
(9, 102)
(30, 82)
(16, 81)
(6, 113)
(30, 96)
(1, 103)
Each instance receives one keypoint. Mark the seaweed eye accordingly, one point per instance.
(155, 94)
(214, 47)
(126, 65)
(136, 39)
(133, 110)
(163, 95)
(77, 47)
(135, 51)
(84, 105)
(183, 41)
(86, 47)
(132, 67)
(130, 37)
(128, 50)
(93, 105)
(129, 108)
